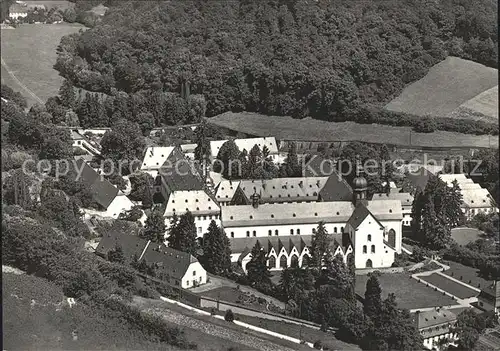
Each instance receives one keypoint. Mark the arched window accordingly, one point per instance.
(276, 232)
(270, 232)
(283, 263)
(291, 231)
(369, 264)
(232, 234)
(298, 231)
(248, 233)
(294, 261)
(369, 237)
(392, 238)
(341, 229)
(254, 233)
(364, 248)
(373, 248)
(334, 229)
(314, 230)
(271, 263)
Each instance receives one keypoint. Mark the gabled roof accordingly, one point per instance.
(245, 245)
(477, 198)
(336, 189)
(226, 190)
(386, 210)
(155, 157)
(405, 198)
(358, 216)
(431, 318)
(284, 189)
(103, 192)
(167, 260)
(246, 144)
(198, 202)
(180, 173)
(130, 244)
(282, 214)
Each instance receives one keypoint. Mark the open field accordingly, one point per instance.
(463, 236)
(409, 293)
(445, 87)
(297, 331)
(308, 129)
(483, 107)
(61, 4)
(466, 274)
(28, 57)
(448, 285)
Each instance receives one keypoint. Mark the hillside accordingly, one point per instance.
(481, 107)
(451, 84)
(307, 129)
(28, 58)
(299, 58)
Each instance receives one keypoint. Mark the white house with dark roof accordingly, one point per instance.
(203, 208)
(436, 328)
(247, 144)
(173, 266)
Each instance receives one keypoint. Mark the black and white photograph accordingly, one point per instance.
(250, 175)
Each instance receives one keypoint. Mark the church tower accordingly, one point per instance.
(359, 187)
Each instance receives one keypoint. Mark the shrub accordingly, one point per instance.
(229, 316)
(318, 345)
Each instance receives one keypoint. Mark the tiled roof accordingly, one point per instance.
(156, 156)
(358, 216)
(198, 202)
(405, 198)
(225, 190)
(386, 209)
(103, 191)
(296, 213)
(246, 144)
(180, 173)
(16, 8)
(167, 260)
(431, 318)
(336, 189)
(188, 147)
(284, 189)
(448, 178)
(240, 245)
(130, 244)
(477, 198)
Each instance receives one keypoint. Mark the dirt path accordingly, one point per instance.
(24, 87)
(169, 315)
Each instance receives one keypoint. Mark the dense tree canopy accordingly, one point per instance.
(320, 58)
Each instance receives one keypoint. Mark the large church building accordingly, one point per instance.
(371, 230)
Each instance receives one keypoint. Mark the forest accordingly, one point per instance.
(325, 59)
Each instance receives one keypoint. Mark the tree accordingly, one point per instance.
(229, 316)
(253, 169)
(142, 188)
(116, 255)
(183, 235)
(337, 277)
(67, 94)
(123, 143)
(295, 283)
(257, 269)
(453, 201)
(132, 215)
(319, 245)
(372, 305)
(291, 167)
(469, 327)
(154, 228)
(229, 165)
(216, 251)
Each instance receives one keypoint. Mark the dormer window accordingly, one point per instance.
(390, 210)
(294, 215)
(186, 201)
(196, 200)
(272, 216)
(231, 217)
(173, 201)
(338, 213)
(316, 214)
(251, 217)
